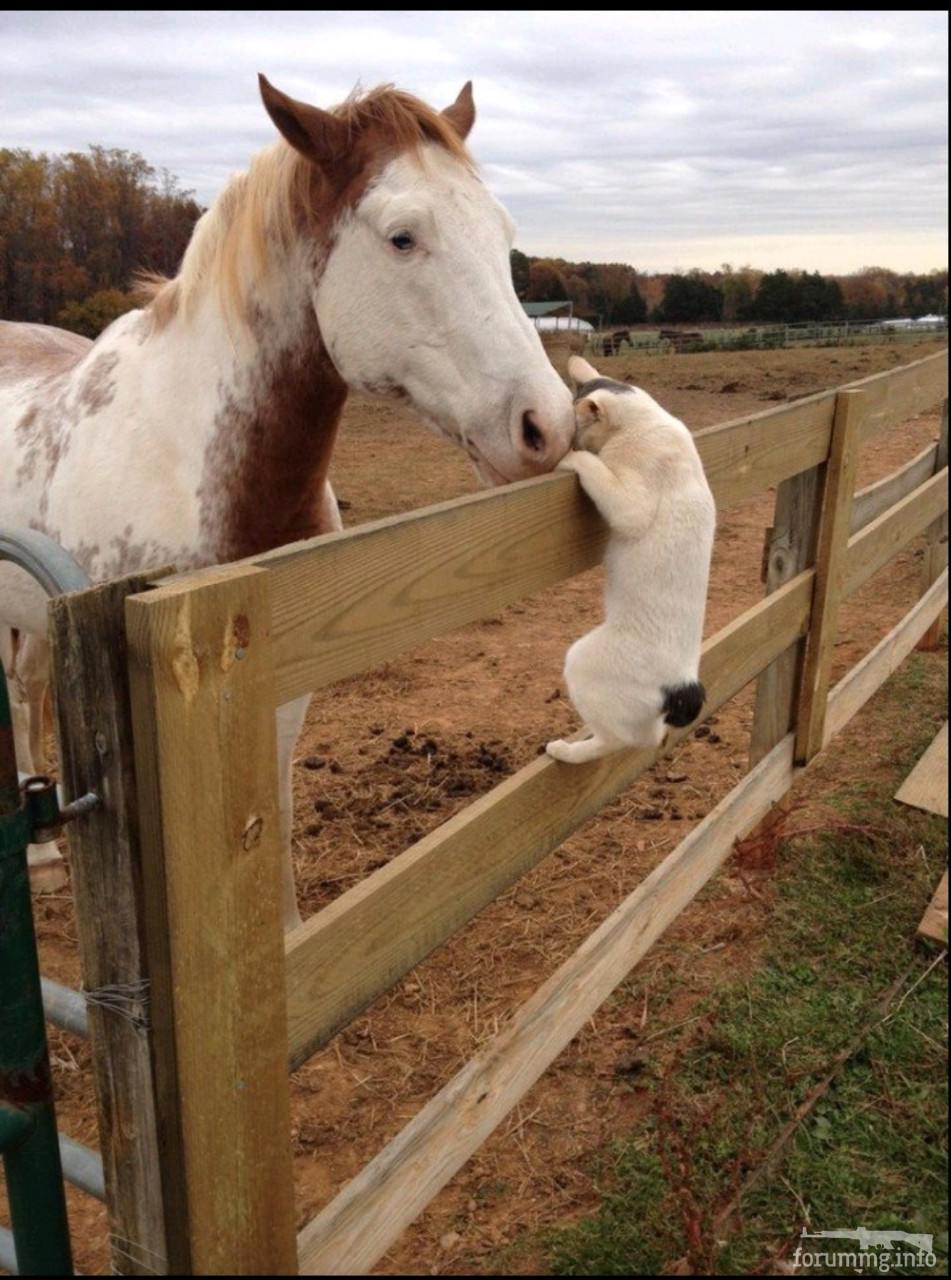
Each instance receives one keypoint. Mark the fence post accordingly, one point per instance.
(206, 767)
(94, 732)
(936, 550)
(831, 548)
(790, 549)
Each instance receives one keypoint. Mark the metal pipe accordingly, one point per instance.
(64, 1007)
(47, 816)
(34, 1175)
(8, 1254)
(53, 568)
(82, 1167)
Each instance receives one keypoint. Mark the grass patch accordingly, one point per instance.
(872, 1150)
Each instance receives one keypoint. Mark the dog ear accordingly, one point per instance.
(588, 410)
(579, 371)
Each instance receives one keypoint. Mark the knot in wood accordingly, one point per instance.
(252, 833)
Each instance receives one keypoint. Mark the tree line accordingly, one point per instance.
(75, 229)
(618, 294)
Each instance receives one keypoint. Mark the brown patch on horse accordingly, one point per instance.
(97, 388)
(266, 464)
(25, 435)
(43, 432)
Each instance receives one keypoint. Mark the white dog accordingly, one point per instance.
(637, 672)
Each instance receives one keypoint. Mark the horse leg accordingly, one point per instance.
(19, 706)
(33, 667)
(26, 659)
(290, 721)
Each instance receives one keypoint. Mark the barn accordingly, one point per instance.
(549, 317)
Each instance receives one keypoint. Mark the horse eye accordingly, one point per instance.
(402, 241)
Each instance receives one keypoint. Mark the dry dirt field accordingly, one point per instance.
(388, 756)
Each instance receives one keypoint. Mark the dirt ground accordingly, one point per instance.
(388, 756)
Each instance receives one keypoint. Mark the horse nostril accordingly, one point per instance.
(533, 435)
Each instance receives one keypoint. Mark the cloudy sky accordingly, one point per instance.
(665, 140)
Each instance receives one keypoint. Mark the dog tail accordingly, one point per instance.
(683, 703)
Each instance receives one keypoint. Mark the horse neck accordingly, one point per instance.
(273, 425)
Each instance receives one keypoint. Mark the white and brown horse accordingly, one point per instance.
(199, 429)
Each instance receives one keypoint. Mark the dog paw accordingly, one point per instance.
(559, 749)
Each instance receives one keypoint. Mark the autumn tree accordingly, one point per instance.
(96, 312)
(546, 282)
(82, 224)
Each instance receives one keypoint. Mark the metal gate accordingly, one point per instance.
(35, 1158)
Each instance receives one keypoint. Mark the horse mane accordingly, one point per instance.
(282, 195)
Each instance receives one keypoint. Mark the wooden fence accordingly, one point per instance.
(762, 337)
(167, 691)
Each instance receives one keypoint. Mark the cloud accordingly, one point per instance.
(655, 137)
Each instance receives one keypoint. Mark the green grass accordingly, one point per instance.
(872, 1151)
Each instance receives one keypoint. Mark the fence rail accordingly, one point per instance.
(210, 655)
(349, 953)
(370, 1213)
(759, 337)
(349, 601)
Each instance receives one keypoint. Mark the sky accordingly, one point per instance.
(665, 140)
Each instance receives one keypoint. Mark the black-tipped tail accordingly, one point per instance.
(683, 703)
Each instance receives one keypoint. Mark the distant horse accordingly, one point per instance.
(611, 342)
(199, 429)
(682, 339)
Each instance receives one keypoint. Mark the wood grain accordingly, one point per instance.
(934, 923)
(936, 551)
(926, 787)
(831, 564)
(94, 733)
(791, 549)
(206, 764)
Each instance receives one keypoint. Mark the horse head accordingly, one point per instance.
(410, 280)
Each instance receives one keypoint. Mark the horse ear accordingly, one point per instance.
(579, 371)
(461, 115)
(316, 134)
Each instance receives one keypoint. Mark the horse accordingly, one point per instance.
(611, 343)
(199, 428)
